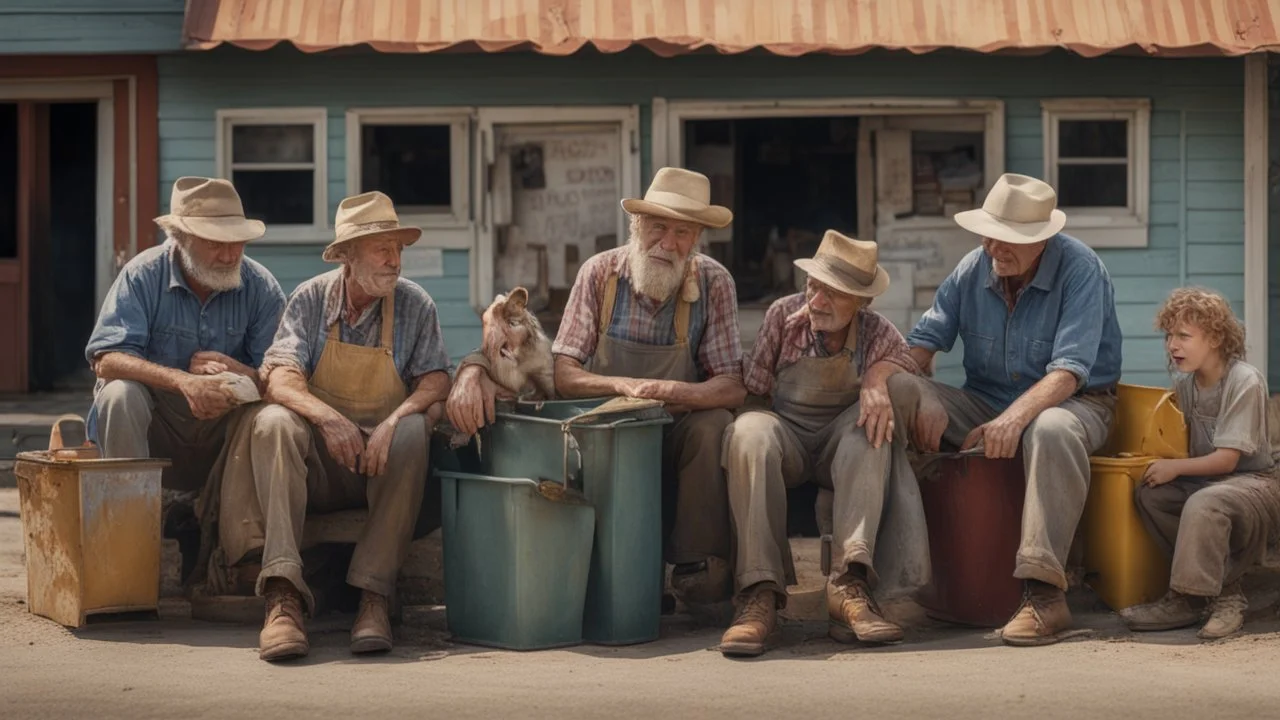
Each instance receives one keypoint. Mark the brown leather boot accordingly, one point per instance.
(282, 635)
(1226, 614)
(1043, 614)
(754, 627)
(372, 631)
(855, 615)
(1170, 612)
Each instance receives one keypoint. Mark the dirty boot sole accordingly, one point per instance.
(842, 633)
(370, 645)
(284, 651)
(1030, 640)
(1139, 626)
(748, 650)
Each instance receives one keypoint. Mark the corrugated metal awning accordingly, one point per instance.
(1170, 28)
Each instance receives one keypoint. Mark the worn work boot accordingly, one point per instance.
(1042, 615)
(372, 631)
(1226, 614)
(282, 635)
(754, 627)
(1170, 612)
(702, 583)
(855, 615)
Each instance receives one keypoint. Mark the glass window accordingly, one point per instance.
(274, 166)
(1093, 163)
(410, 163)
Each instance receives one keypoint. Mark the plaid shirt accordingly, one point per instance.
(713, 319)
(786, 336)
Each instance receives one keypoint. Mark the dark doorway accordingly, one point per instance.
(63, 298)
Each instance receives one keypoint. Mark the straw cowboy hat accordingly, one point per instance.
(209, 208)
(1019, 209)
(847, 265)
(680, 194)
(370, 213)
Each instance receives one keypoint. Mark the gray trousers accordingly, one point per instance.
(1216, 529)
(278, 468)
(1055, 457)
(694, 487)
(764, 455)
(137, 421)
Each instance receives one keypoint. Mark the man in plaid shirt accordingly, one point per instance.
(656, 319)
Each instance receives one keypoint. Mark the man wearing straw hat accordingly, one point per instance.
(1036, 311)
(178, 315)
(353, 374)
(656, 319)
(823, 359)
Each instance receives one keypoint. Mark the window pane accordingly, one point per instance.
(1093, 138)
(410, 163)
(1093, 185)
(272, 144)
(8, 180)
(277, 196)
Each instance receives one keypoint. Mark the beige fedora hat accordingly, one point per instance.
(370, 213)
(209, 208)
(1019, 210)
(847, 265)
(680, 194)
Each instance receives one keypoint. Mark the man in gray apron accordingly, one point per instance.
(656, 319)
(823, 359)
(1036, 311)
(356, 365)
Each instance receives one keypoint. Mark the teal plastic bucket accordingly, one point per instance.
(616, 461)
(515, 562)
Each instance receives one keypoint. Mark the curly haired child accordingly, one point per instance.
(1216, 510)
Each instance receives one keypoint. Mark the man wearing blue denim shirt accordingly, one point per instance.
(1036, 311)
(177, 316)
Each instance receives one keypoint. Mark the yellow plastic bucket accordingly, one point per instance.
(1148, 423)
(1123, 564)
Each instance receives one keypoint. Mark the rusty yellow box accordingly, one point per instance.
(91, 529)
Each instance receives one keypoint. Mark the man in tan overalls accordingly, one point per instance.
(823, 360)
(656, 319)
(356, 366)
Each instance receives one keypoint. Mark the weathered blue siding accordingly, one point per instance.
(90, 26)
(1196, 145)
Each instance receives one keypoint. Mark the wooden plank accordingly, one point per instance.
(1215, 259)
(1231, 286)
(1257, 172)
(122, 193)
(1167, 124)
(1215, 226)
(1142, 263)
(1224, 123)
(1215, 148)
(148, 152)
(1219, 195)
(1136, 319)
(1231, 170)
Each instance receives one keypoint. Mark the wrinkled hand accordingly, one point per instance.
(664, 390)
(343, 439)
(209, 362)
(378, 449)
(876, 414)
(999, 438)
(470, 404)
(207, 397)
(1159, 473)
(931, 422)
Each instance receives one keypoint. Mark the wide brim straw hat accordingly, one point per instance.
(680, 194)
(1019, 209)
(848, 265)
(209, 208)
(364, 215)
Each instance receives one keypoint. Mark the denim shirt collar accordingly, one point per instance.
(1045, 274)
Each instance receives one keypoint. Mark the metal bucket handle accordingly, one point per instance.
(566, 432)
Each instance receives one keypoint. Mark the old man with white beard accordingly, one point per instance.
(177, 315)
(356, 366)
(656, 319)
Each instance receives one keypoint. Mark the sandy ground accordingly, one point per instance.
(187, 669)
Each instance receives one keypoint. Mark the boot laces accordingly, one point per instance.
(756, 608)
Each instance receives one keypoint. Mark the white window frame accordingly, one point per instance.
(318, 118)
(1102, 227)
(444, 230)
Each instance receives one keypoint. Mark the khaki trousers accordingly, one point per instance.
(1215, 529)
(137, 421)
(279, 469)
(765, 455)
(694, 487)
(1055, 456)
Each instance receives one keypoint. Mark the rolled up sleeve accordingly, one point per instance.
(124, 322)
(938, 327)
(1079, 333)
(295, 339)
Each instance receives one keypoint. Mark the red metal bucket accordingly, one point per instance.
(974, 510)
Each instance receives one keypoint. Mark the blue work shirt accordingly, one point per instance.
(1065, 319)
(152, 313)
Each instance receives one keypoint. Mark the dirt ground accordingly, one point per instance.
(188, 669)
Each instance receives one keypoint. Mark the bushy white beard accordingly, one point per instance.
(215, 279)
(652, 279)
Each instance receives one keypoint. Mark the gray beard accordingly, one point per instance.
(651, 280)
(217, 280)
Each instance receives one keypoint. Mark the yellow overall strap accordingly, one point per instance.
(607, 303)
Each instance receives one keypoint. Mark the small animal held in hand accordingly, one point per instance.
(518, 351)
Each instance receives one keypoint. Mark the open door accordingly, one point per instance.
(549, 185)
(24, 143)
